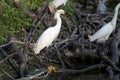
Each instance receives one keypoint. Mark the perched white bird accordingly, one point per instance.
(55, 4)
(103, 34)
(101, 8)
(49, 35)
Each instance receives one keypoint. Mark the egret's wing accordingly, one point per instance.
(43, 41)
(103, 39)
(103, 32)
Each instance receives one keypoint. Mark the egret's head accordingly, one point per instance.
(51, 7)
(61, 11)
(58, 12)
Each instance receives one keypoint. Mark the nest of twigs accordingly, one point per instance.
(70, 54)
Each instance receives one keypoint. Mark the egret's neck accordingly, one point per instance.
(115, 17)
(58, 21)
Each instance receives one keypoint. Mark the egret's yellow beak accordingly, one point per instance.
(51, 8)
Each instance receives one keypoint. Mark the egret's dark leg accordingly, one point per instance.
(59, 56)
(46, 56)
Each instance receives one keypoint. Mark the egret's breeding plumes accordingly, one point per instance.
(49, 35)
(101, 8)
(103, 34)
(55, 4)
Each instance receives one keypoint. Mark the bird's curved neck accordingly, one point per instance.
(115, 16)
(58, 21)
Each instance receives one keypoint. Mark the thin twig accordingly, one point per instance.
(1, 61)
(82, 70)
(33, 76)
(19, 42)
(7, 74)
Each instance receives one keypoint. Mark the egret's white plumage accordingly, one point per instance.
(101, 8)
(56, 3)
(50, 34)
(103, 34)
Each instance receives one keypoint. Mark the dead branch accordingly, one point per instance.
(30, 77)
(59, 56)
(9, 43)
(80, 71)
(114, 47)
(78, 14)
(3, 60)
(115, 52)
(11, 61)
(22, 59)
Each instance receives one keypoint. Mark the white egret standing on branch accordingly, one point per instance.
(49, 35)
(55, 4)
(103, 34)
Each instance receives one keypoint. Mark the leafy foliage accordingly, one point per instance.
(13, 18)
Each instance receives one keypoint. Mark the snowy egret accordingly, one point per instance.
(55, 4)
(49, 35)
(103, 34)
(101, 8)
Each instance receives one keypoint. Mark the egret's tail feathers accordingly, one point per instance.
(36, 51)
(91, 38)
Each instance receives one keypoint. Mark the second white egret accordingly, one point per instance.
(103, 34)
